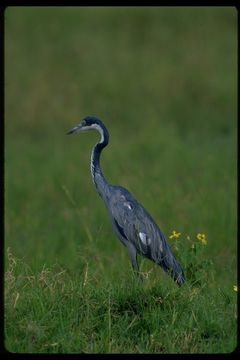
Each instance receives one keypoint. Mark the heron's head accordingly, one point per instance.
(88, 123)
(91, 123)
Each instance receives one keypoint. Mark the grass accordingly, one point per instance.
(164, 81)
(60, 311)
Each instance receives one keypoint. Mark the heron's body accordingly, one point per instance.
(131, 222)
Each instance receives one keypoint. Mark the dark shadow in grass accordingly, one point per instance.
(138, 300)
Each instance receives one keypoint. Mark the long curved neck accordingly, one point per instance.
(99, 181)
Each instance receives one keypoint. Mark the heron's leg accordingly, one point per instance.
(133, 256)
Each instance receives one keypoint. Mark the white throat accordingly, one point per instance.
(96, 127)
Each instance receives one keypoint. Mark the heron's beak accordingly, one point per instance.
(76, 129)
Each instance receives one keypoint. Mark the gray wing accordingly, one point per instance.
(137, 226)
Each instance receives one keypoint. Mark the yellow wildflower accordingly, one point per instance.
(202, 238)
(235, 288)
(174, 235)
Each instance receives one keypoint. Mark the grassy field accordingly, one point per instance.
(164, 80)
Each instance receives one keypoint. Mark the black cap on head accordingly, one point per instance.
(90, 120)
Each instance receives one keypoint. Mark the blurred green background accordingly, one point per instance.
(164, 81)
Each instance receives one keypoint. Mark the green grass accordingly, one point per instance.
(164, 82)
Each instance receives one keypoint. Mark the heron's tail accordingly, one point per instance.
(172, 267)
